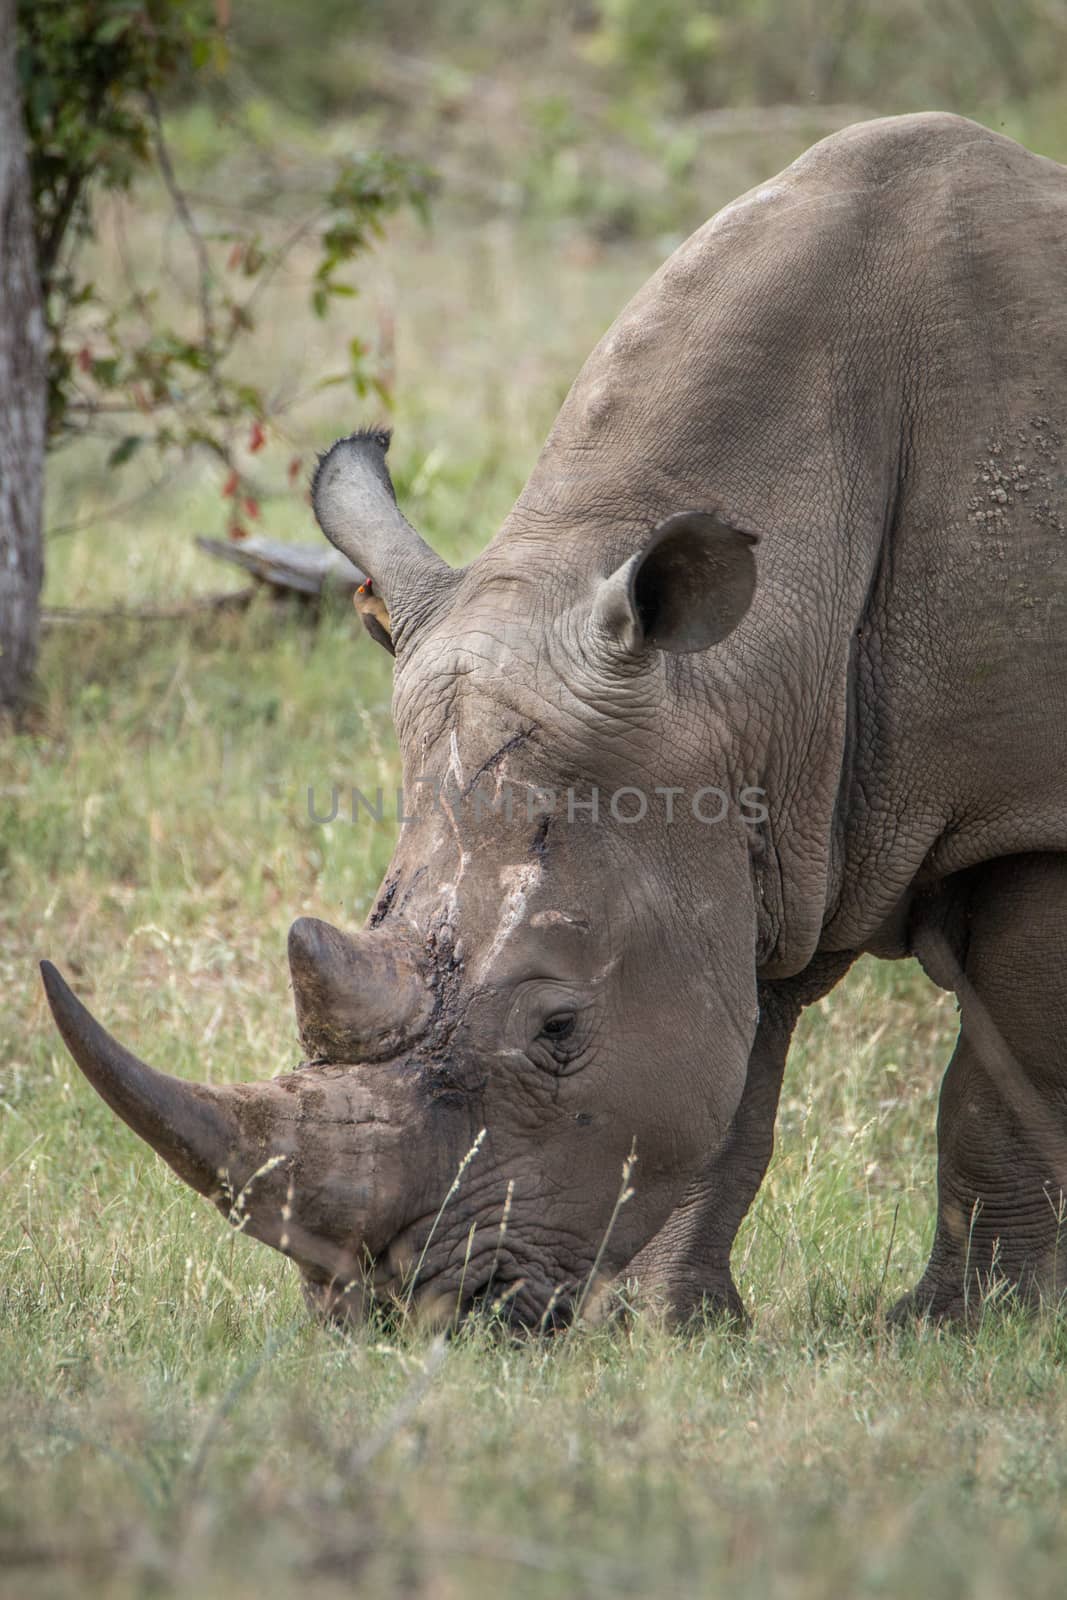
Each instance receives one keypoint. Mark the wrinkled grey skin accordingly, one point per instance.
(861, 365)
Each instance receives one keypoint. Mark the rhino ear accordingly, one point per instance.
(355, 505)
(687, 589)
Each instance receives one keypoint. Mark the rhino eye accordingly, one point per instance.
(558, 1028)
(560, 1041)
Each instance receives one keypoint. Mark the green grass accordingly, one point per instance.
(172, 1424)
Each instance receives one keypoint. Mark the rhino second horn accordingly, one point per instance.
(193, 1127)
(358, 997)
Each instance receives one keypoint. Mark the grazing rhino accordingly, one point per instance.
(797, 542)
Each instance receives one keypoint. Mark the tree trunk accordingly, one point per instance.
(23, 395)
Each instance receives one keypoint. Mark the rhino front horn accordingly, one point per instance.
(191, 1126)
(358, 997)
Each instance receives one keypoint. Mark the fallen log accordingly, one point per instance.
(303, 569)
(235, 600)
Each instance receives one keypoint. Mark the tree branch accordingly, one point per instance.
(188, 222)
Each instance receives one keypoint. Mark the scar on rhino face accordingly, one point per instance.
(490, 762)
(518, 882)
(558, 919)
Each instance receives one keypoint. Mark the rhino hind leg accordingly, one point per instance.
(686, 1267)
(1002, 1119)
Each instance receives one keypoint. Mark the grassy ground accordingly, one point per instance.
(171, 1423)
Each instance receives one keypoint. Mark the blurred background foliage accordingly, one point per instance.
(600, 108)
(562, 148)
(680, 55)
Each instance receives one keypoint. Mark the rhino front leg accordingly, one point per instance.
(1002, 1120)
(686, 1267)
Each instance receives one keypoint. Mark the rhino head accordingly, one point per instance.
(556, 990)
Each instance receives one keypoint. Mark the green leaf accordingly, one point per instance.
(105, 371)
(112, 28)
(125, 449)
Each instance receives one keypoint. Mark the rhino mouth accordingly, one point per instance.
(502, 1289)
(383, 1297)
